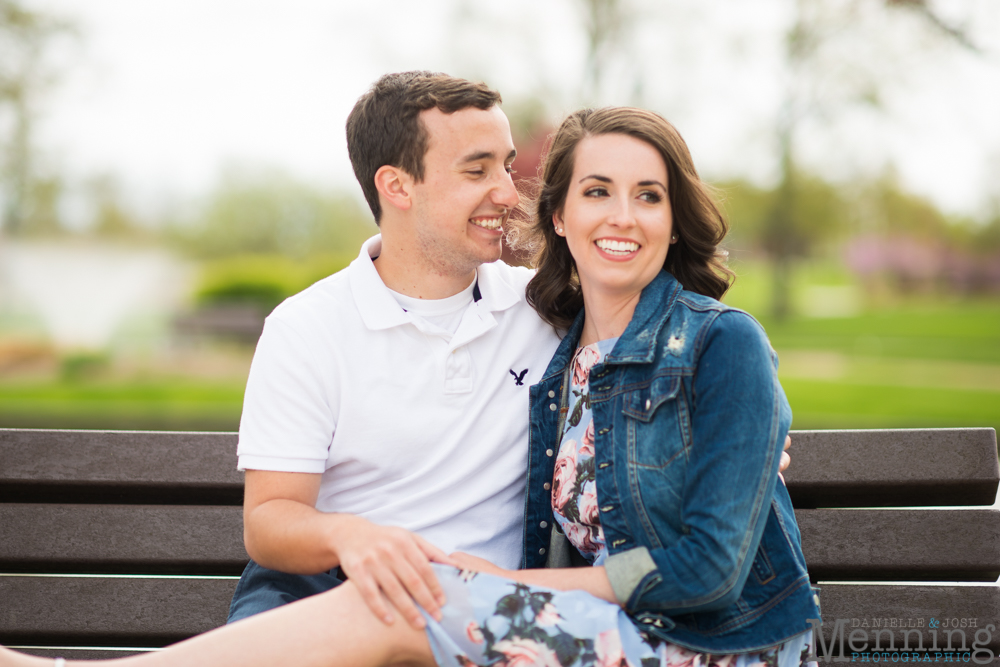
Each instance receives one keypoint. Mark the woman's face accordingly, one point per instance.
(617, 219)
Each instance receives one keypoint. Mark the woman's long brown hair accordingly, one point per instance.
(695, 260)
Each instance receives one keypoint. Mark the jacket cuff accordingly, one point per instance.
(626, 570)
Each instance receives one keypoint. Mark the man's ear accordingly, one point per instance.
(394, 186)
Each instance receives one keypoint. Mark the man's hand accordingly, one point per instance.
(284, 531)
(785, 459)
(391, 565)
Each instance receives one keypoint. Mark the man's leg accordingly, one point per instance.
(261, 589)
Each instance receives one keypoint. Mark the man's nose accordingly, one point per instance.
(505, 194)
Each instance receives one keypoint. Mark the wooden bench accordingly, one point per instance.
(115, 542)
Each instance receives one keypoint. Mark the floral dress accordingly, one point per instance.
(494, 621)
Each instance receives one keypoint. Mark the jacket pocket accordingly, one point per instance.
(655, 426)
(642, 403)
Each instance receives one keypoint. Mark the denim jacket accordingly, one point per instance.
(689, 423)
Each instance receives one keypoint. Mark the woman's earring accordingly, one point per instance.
(673, 239)
(558, 230)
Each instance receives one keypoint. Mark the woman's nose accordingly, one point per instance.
(622, 215)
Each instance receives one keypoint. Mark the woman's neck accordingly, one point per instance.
(606, 315)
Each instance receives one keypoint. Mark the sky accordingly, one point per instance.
(166, 96)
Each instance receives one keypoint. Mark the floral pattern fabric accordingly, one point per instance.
(574, 484)
(496, 622)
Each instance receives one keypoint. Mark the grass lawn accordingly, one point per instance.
(919, 361)
(825, 404)
(160, 404)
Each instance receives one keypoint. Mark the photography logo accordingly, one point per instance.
(934, 640)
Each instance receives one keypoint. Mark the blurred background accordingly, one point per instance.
(170, 171)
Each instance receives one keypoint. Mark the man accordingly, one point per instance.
(386, 412)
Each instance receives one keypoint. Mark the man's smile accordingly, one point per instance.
(492, 223)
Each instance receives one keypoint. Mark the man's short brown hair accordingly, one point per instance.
(384, 127)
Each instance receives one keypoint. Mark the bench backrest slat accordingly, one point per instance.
(901, 545)
(894, 468)
(119, 466)
(124, 539)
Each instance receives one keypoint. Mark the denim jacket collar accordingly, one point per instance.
(638, 342)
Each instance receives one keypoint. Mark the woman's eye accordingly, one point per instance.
(510, 169)
(595, 192)
(651, 197)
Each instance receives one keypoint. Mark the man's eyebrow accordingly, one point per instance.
(486, 155)
(479, 155)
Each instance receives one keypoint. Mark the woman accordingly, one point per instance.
(656, 434)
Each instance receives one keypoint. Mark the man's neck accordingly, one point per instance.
(404, 271)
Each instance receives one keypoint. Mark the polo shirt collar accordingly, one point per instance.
(380, 311)
(497, 292)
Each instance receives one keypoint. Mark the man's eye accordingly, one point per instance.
(510, 169)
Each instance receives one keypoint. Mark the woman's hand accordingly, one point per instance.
(476, 564)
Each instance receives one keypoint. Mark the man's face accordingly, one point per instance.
(467, 192)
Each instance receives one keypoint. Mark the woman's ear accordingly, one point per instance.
(394, 187)
(557, 222)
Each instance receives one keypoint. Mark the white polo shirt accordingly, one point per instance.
(409, 425)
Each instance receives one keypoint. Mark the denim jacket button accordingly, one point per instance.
(548, 452)
(649, 403)
(553, 407)
(541, 551)
(546, 486)
(552, 394)
(544, 524)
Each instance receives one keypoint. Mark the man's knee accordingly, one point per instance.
(261, 589)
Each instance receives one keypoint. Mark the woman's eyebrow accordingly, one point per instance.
(605, 179)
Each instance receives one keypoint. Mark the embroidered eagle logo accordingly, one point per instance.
(518, 378)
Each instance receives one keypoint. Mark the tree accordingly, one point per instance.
(824, 75)
(27, 38)
(266, 211)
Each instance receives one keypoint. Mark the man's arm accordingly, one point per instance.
(786, 460)
(283, 530)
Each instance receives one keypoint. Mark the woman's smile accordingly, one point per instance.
(617, 249)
